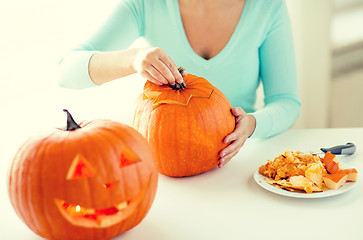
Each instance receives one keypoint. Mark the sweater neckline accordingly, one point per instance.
(231, 42)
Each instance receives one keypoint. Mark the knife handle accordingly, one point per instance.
(347, 149)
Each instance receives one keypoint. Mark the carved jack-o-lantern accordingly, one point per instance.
(93, 181)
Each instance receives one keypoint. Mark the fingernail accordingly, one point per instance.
(226, 141)
(223, 154)
(221, 163)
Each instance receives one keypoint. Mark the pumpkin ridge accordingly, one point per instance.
(139, 180)
(26, 204)
(84, 149)
(206, 131)
(136, 121)
(158, 142)
(179, 160)
(145, 115)
(42, 164)
(111, 135)
(188, 153)
(224, 101)
(97, 151)
(16, 179)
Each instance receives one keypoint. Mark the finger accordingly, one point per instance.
(231, 151)
(184, 74)
(237, 111)
(231, 137)
(157, 75)
(223, 161)
(236, 134)
(164, 70)
(148, 76)
(236, 145)
(174, 69)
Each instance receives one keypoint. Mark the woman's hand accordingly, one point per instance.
(245, 125)
(154, 65)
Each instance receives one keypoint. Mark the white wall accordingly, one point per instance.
(36, 34)
(310, 21)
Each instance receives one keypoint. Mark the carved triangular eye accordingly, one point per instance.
(80, 168)
(128, 157)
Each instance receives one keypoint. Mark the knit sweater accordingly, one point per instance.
(260, 50)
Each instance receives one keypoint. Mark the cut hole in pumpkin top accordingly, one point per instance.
(80, 168)
(196, 87)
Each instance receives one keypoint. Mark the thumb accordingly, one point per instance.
(237, 111)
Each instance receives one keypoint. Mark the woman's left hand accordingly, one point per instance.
(245, 125)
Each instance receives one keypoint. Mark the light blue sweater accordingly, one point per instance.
(260, 49)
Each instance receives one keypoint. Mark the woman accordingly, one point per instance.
(235, 44)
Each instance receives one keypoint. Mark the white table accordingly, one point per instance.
(221, 204)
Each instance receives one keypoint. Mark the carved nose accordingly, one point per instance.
(109, 185)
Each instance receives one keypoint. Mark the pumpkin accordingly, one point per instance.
(94, 180)
(185, 124)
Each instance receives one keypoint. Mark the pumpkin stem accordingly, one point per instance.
(181, 70)
(71, 124)
(179, 86)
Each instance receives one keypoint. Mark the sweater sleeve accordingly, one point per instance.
(123, 27)
(279, 78)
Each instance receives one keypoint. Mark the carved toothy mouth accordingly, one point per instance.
(100, 218)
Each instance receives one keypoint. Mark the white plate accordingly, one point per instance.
(260, 180)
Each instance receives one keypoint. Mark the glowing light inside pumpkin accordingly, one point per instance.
(108, 185)
(124, 161)
(74, 210)
(101, 217)
(92, 213)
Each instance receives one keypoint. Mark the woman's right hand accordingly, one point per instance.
(155, 65)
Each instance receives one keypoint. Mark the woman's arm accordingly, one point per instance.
(152, 63)
(107, 66)
(279, 78)
(278, 75)
(106, 56)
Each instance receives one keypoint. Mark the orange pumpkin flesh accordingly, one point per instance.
(185, 127)
(92, 182)
(332, 164)
(351, 173)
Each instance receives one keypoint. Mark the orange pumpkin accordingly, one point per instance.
(184, 125)
(91, 181)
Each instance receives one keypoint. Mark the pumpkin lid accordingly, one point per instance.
(195, 87)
